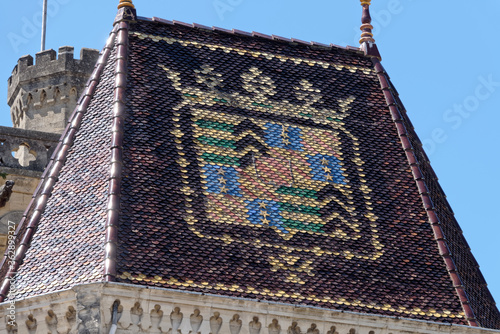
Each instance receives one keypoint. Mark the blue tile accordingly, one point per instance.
(274, 137)
(259, 209)
(217, 175)
(320, 162)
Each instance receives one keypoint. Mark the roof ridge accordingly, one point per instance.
(424, 193)
(116, 163)
(26, 229)
(252, 34)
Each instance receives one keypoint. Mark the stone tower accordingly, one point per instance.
(41, 96)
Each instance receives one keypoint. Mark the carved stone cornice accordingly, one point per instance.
(89, 308)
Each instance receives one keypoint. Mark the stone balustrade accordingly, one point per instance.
(89, 309)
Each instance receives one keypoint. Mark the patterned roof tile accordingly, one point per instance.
(254, 168)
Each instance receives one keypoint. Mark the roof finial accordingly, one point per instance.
(126, 12)
(125, 3)
(367, 42)
(366, 20)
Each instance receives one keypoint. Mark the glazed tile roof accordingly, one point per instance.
(250, 166)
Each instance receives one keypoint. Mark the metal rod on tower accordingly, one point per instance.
(44, 24)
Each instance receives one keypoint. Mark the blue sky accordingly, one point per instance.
(442, 57)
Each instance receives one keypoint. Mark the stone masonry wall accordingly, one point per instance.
(23, 157)
(42, 96)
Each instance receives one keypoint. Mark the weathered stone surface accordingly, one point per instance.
(23, 157)
(6, 192)
(26, 149)
(13, 210)
(88, 309)
(43, 95)
(88, 303)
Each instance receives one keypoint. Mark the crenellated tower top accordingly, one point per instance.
(42, 94)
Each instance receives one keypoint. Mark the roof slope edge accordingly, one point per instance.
(116, 163)
(29, 223)
(418, 161)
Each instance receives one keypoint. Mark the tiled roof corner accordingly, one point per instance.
(423, 175)
(116, 163)
(417, 174)
(371, 50)
(29, 223)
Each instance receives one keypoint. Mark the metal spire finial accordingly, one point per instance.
(125, 3)
(366, 20)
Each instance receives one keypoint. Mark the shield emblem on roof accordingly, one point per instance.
(272, 172)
